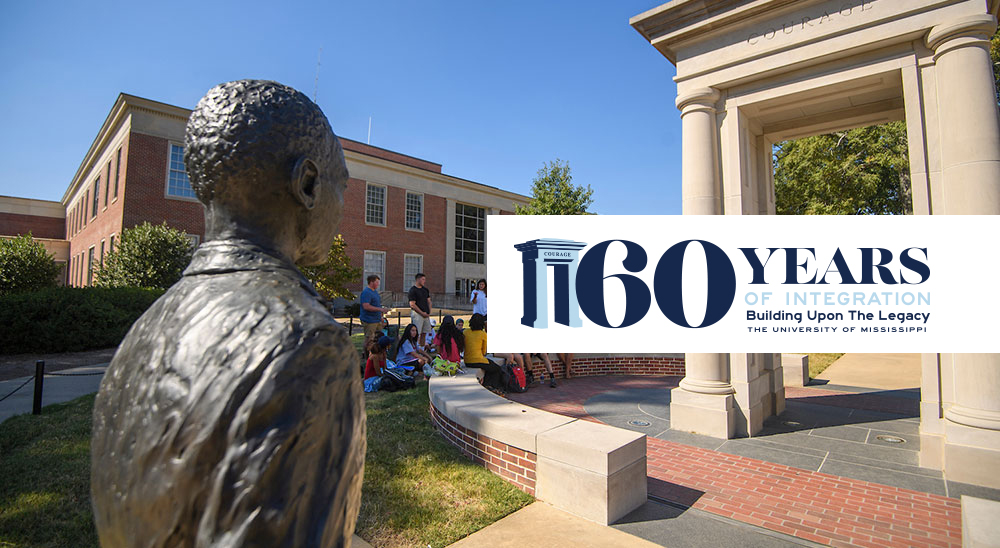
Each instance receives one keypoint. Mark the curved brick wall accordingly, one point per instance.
(517, 466)
(591, 365)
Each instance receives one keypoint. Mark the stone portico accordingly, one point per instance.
(751, 74)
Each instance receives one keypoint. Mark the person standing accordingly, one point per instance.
(371, 309)
(420, 305)
(478, 298)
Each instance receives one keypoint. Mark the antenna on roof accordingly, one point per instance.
(318, 63)
(369, 130)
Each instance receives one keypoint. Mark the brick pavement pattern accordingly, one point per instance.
(818, 507)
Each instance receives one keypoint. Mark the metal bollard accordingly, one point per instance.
(36, 406)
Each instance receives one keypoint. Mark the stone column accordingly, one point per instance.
(970, 127)
(700, 186)
(703, 403)
(972, 421)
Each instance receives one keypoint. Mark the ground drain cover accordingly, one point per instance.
(889, 439)
(637, 422)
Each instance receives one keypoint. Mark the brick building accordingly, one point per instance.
(402, 215)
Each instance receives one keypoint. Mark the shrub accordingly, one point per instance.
(148, 256)
(25, 265)
(66, 319)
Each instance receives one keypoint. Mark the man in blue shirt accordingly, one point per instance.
(371, 309)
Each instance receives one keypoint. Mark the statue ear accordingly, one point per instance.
(305, 182)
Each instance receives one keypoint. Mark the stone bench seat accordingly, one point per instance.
(592, 470)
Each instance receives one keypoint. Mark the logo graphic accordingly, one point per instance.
(536, 257)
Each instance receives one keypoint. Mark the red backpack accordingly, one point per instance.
(516, 380)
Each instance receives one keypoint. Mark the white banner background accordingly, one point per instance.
(962, 255)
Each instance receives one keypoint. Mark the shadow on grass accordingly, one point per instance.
(419, 490)
(45, 466)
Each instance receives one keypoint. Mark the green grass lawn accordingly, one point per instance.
(418, 489)
(819, 362)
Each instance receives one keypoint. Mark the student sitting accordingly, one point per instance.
(475, 353)
(449, 341)
(375, 364)
(409, 355)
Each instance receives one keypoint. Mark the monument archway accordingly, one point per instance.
(751, 73)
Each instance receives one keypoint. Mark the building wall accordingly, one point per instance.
(13, 224)
(144, 130)
(146, 197)
(42, 218)
(394, 239)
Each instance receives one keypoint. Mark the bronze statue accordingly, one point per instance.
(232, 413)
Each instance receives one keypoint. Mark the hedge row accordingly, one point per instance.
(68, 319)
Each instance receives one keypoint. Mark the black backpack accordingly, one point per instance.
(393, 381)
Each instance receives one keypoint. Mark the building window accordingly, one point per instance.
(464, 286)
(111, 243)
(83, 207)
(108, 185)
(118, 171)
(375, 264)
(102, 254)
(414, 211)
(177, 178)
(412, 265)
(97, 196)
(375, 205)
(470, 234)
(90, 266)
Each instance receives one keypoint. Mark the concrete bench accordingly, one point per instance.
(980, 523)
(595, 471)
(795, 368)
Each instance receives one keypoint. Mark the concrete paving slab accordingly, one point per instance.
(883, 371)
(881, 475)
(771, 454)
(539, 525)
(690, 528)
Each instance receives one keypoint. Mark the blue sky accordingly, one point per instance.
(491, 91)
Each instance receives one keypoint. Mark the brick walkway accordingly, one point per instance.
(810, 505)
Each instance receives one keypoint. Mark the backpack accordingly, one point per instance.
(514, 378)
(394, 380)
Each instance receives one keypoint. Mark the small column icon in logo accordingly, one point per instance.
(536, 257)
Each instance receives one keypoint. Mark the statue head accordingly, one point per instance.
(263, 159)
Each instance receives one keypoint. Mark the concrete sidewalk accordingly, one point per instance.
(539, 525)
(64, 385)
(882, 371)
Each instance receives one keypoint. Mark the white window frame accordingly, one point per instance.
(385, 203)
(91, 251)
(118, 172)
(111, 241)
(406, 211)
(364, 266)
(459, 250)
(409, 277)
(166, 180)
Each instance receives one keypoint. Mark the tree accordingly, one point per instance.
(855, 172)
(552, 193)
(151, 256)
(995, 57)
(332, 277)
(25, 265)
(863, 171)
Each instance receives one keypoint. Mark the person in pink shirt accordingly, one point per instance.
(448, 341)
